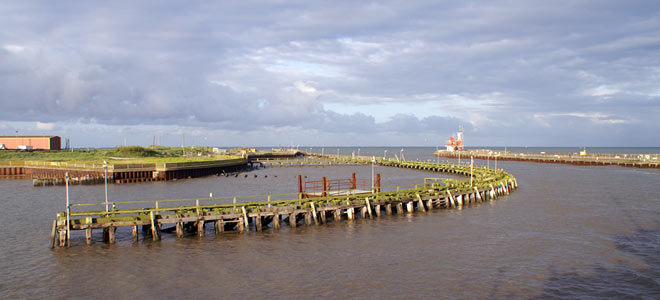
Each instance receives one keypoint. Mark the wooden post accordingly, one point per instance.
(276, 221)
(378, 183)
(111, 234)
(371, 214)
(316, 219)
(420, 203)
(399, 208)
(323, 216)
(88, 231)
(219, 226)
(337, 214)
(245, 219)
(300, 186)
(135, 233)
(350, 213)
(354, 182)
(388, 209)
(179, 229)
(493, 195)
(451, 199)
(53, 234)
(378, 212)
(429, 204)
(325, 186)
(308, 218)
(200, 226)
(240, 225)
(257, 222)
(409, 206)
(478, 194)
(292, 219)
(154, 229)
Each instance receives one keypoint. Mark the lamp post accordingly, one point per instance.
(105, 168)
(471, 168)
(358, 152)
(385, 154)
(373, 160)
(401, 154)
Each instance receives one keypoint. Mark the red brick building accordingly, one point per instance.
(36, 142)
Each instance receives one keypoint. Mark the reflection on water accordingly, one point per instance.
(567, 232)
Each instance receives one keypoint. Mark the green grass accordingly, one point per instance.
(128, 154)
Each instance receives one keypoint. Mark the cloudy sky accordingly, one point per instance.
(269, 73)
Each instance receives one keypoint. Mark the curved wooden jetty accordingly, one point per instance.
(629, 160)
(192, 215)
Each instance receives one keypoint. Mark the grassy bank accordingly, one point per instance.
(117, 155)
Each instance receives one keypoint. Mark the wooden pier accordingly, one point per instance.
(192, 216)
(621, 160)
(53, 173)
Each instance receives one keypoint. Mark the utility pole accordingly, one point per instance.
(373, 185)
(471, 168)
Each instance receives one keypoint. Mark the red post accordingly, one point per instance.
(378, 183)
(354, 182)
(325, 186)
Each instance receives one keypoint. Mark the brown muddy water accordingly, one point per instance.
(567, 232)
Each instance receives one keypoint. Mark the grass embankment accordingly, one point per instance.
(118, 155)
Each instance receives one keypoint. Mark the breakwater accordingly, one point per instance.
(192, 215)
(621, 160)
(53, 173)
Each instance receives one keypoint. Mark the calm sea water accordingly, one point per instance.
(567, 232)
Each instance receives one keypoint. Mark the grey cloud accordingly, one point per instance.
(253, 65)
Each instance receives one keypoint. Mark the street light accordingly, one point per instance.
(471, 167)
(373, 160)
(105, 167)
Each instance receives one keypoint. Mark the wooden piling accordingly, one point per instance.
(308, 218)
(154, 230)
(88, 231)
(371, 214)
(219, 226)
(337, 213)
(257, 222)
(245, 219)
(316, 219)
(111, 234)
(420, 204)
(276, 221)
(200, 227)
(52, 234)
(292, 219)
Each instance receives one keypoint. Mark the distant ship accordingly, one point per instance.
(455, 144)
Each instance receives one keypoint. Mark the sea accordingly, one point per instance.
(567, 232)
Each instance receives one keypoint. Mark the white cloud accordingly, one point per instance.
(14, 48)
(44, 126)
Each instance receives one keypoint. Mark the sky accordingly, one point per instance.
(332, 73)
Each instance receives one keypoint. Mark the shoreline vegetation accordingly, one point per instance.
(123, 155)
